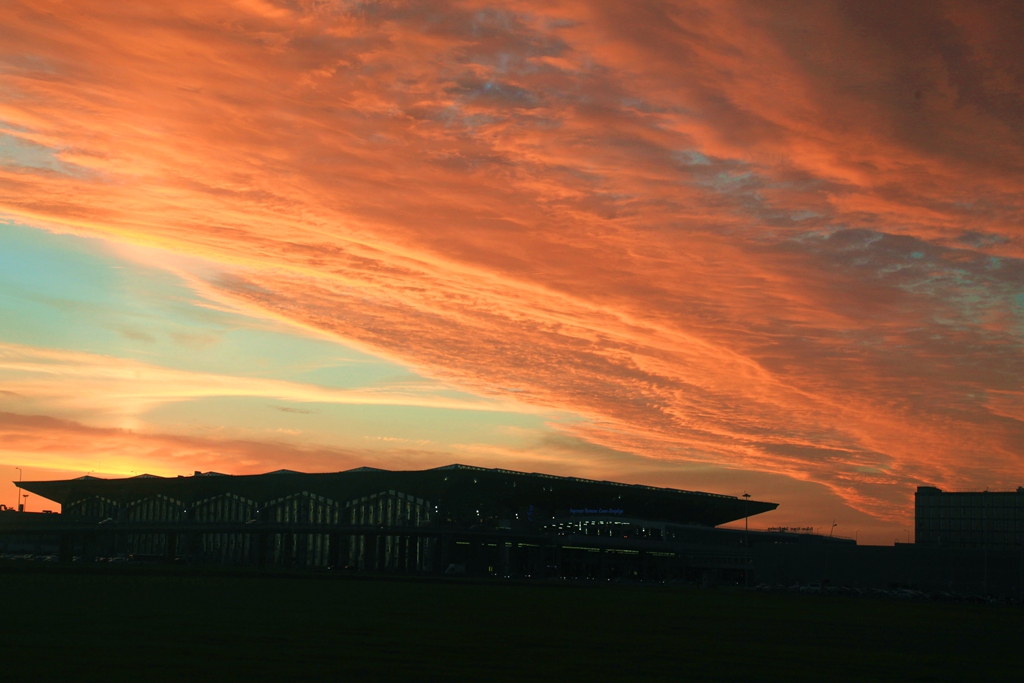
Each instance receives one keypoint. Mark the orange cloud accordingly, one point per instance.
(782, 237)
(45, 447)
(84, 383)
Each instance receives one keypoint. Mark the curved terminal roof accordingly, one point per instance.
(454, 489)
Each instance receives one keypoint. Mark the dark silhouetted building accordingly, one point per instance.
(454, 519)
(479, 522)
(969, 519)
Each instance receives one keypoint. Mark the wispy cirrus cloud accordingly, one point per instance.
(91, 384)
(774, 236)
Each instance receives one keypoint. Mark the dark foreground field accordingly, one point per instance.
(202, 627)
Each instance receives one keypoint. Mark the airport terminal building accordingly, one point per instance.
(471, 521)
(453, 519)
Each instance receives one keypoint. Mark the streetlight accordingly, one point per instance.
(828, 549)
(746, 514)
(25, 496)
(746, 540)
(19, 490)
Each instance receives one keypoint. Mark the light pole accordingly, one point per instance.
(17, 505)
(746, 539)
(746, 514)
(828, 549)
(25, 496)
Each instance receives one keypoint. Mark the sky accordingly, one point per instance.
(765, 247)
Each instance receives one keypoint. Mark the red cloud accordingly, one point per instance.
(780, 237)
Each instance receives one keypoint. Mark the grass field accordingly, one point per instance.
(190, 626)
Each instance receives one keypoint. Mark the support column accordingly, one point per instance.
(194, 547)
(302, 549)
(401, 554)
(170, 547)
(288, 551)
(514, 560)
(345, 551)
(371, 552)
(262, 549)
(334, 550)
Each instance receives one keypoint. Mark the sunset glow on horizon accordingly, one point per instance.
(756, 246)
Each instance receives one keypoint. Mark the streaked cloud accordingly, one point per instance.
(89, 383)
(776, 237)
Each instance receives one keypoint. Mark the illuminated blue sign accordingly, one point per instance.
(595, 511)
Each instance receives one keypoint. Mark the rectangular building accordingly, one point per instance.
(969, 519)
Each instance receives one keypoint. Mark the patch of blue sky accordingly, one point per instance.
(8, 126)
(19, 152)
(74, 293)
(725, 181)
(691, 158)
(724, 176)
(805, 215)
(355, 426)
(79, 294)
(819, 234)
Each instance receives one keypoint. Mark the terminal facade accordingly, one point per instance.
(454, 519)
(462, 520)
